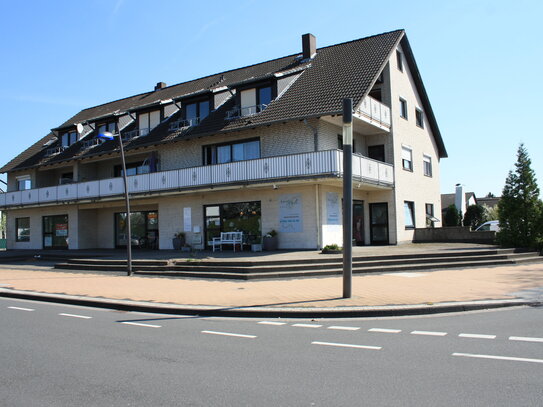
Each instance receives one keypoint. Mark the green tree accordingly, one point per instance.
(520, 210)
(452, 216)
(475, 216)
(491, 213)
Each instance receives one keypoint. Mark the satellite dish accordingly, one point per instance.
(79, 128)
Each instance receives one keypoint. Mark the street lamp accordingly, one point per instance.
(110, 136)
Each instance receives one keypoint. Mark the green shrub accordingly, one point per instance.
(452, 216)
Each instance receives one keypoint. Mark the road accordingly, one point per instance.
(62, 355)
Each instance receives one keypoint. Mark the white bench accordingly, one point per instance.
(232, 238)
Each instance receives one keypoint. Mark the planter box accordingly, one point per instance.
(270, 243)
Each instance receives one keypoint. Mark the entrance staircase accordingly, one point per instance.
(320, 265)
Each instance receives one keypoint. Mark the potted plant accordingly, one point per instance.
(332, 249)
(270, 241)
(178, 241)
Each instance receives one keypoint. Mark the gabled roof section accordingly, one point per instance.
(410, 58)
(344, 70)
(28, 153)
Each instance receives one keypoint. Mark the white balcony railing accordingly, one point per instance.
(375, 111)
(320, 163)
(245, 111)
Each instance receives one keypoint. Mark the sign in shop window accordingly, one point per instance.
(290, 213)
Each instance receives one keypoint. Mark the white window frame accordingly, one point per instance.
(409, 206)
(420, 112)
(399, 60)
(404, 109)
(427, 165)
(407, 157)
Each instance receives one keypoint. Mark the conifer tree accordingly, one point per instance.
(520, 210)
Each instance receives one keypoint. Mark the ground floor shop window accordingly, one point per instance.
(55, 232)
(234, 217)
(144, 229)
(22, 226)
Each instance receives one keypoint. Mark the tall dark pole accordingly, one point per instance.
(347, 197)
(128, 223)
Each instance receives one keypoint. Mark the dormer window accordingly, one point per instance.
(148, 121)
(196, 112)
(69, 138)
(253, 101)
(109, 127)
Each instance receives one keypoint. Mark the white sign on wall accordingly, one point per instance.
(187, 219)
(332, 208)
(290, 213)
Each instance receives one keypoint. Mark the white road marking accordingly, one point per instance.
(525, 339)
(307, 325)
(344, 328)
(272, 323)
(385, 330)
(429, 333)
(145, 325)
(477, 336)
(229, 334)
(21, 309)
(75, 316)
(471, 355)
(347, 345)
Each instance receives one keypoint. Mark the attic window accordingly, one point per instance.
(399, 60)
(252, 101)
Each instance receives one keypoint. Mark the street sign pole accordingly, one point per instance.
(347, 197)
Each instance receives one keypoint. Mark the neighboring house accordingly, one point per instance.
(454, 199)
(251, 149)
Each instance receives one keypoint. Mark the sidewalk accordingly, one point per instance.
(374, 294)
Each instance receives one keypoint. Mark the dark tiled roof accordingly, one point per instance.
(344, 70)
(28, 153)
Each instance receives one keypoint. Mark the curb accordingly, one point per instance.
(283, 312)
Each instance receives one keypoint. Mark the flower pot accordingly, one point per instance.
(270, 243)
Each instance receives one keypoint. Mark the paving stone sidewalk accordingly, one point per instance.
(387, 289)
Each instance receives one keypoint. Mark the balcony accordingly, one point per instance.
(183, 124)
(318, 164)
(246, 111)
(374, 112)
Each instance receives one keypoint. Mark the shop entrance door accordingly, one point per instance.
(144, 228)
(358, 222)
(55, 232)
(379, 223)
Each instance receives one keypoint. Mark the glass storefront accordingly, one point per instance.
(55, 232)
(144, 227)
(234, 217)
(379, 223)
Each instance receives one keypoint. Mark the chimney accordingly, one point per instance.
(309, 46)
(160, 85)
(460, 199)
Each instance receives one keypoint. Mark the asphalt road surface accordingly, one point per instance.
(61, 355)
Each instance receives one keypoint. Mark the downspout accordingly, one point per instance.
(315, 135)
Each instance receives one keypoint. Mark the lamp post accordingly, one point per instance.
(110, 136)
(347, 197)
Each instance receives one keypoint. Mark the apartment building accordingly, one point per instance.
(253, 149)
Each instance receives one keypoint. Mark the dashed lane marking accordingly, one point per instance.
(472, 355)
(272, 323)
(385, 330)
(21, 309)
(429, 333)
(75, 316)
(525, 339)
(477, 336)
(346, 345)
(344, 328)
(307, 325)
(229, 334)
(139, 324)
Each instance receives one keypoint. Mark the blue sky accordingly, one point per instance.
(481, 62)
